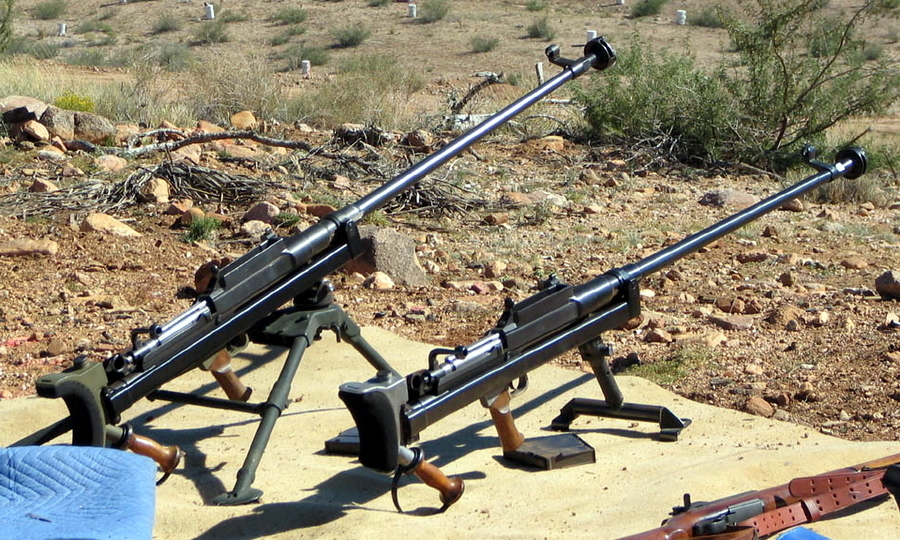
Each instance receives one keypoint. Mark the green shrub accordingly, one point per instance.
(174, 57)
(290, 15)
(371, 90)
(352, 36)
(286, 35)
(295, 54)
(483, 44)
(645, 8)
(229, 17)
(706, 17)
(536, 5)
(166, 23)
(91, 25)
(23, 46)
(431, 11)
(211, 32)
(52, 9)
(75, 102)
(541, 28)
(6, 20)
(201, 229)
(378, 3)
(659, 98)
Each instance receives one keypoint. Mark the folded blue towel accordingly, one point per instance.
(76, 492)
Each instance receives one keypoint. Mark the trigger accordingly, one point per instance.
(518, 386)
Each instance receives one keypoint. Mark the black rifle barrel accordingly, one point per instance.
(849, 163)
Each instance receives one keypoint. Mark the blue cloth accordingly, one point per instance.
(801, 533)
(76, 492)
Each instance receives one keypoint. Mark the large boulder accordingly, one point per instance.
(33, 105)
(94, 128)
(394, 253)
(60, 122)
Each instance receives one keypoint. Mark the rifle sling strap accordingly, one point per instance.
(816, 505)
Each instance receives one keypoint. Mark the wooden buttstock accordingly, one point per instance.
(510, 436)
(451, 489)
(228, 379)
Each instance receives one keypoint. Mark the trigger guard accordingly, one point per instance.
(518, 386)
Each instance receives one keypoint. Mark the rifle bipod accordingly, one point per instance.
(295, 328)
(594, 353)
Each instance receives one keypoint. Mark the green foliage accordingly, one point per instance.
(290, 15)
(174, 57)
(286, 35)
(75, 102)
(370, 90)
(6, 19)
(211, 32)
(23, 46)
(52, 9)
(645, 8)
(94, 25)
(167, 22)
(798, 75)
(296, 54)
(352, 36)
(706, 17)
(483, 44)
(378, 3)
(229, 17)
(536, 5)
(431, 11)
(542, 29)
(659, 98)
(684, 359)
(801, 73)
(201, 229)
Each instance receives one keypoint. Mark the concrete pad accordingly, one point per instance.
(632, 487)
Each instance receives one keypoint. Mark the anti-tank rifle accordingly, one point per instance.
(391, 411)
(244, 302)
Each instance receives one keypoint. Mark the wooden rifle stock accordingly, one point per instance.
(775, 509)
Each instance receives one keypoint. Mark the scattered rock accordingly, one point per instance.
(94, 128)
(658, 335)
(264, 211)
(752, 257)
(59, 122)
(35, 131)
(14, 248)
(730, 198)
(155, 190)
(888, 284)
(759, 406)
(793, 205)
(379, 281)
(854, 263)
(243, 120)
(110, 163)
(735, 322)
(42, 186)
(496, 218)
(104, 223)
(254, 228)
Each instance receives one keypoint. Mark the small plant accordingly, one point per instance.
(166, 23)
(6, 19)
(286, 35)
(174, 57)
(90, 25)
(431, 11)
(75, 102)
(536, 5)
(483, 44)
(645, 8)
(296, 54)
(684, 359)
(352, 36)
(231, 17)
(211, 32)
(541, 29)
(201, 229)
(53, 9)
(378, 3)
(23, 46)
(707, 17)
(290, 15)
(287, 220)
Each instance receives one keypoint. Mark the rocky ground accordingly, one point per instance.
(780, 318)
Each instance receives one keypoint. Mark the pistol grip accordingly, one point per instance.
(510, 436)
(228, 379)
(451, 489)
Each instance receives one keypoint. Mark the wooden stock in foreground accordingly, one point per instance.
(756, 514)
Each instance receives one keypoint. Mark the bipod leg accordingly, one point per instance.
(595, 353)
(270, 412)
